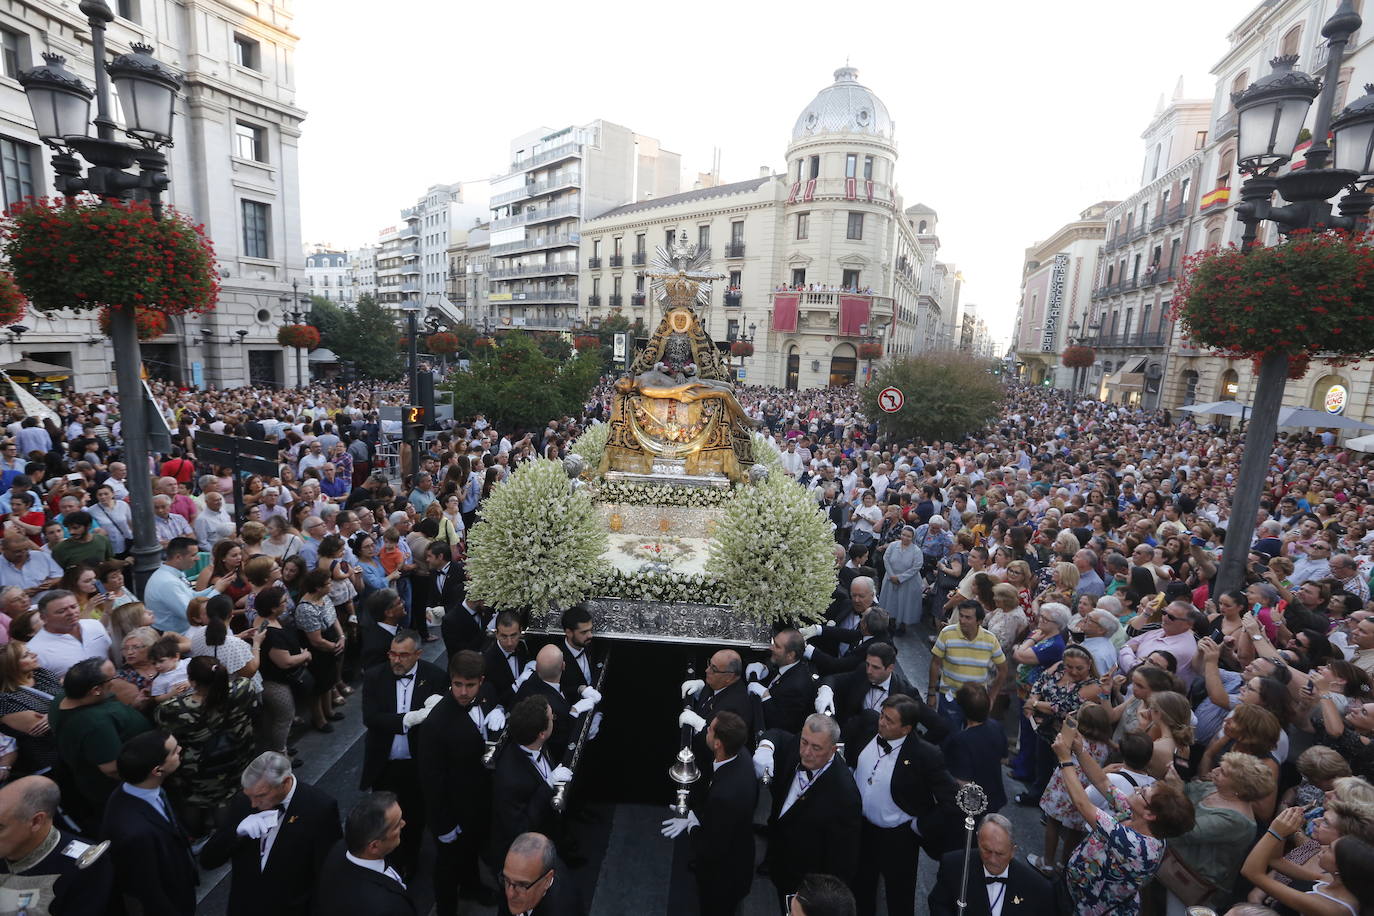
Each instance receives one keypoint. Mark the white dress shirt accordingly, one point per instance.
(874, 778)
(876, 693)
(377, 865)
(59, 651)
(583, 663)
(405, 687)
(997, 891)
(800, 783)
(265, 844)
(537, 758)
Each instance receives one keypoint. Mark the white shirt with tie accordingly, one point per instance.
(777, 677)
(512, 662)
(405, 687)
(877, 693)
(537, 758)
(583, 663)
(997, 890)
(270, 837)
(873, 774)
(801, 782)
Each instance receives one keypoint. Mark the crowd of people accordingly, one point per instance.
(1184, 747)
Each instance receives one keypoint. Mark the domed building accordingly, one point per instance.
(817, 260)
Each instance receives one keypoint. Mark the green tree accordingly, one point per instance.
(516, 384)
(365, 335)
(945, 396)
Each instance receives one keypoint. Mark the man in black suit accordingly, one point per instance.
(383, 613)
(396, 698)
(579, 663)
(154, 870)
(859, 695)
(858, 558)
(838, 650)
(816, 809)
(908, 805)
(548, 681)
(522, 786)
(535, 882)
(1001, 880)
(450, 578)
(72, 877)
(276, 835)
(457, 785)
(722, 690)
(721, 823)
(506, 658)
(356, 881)
(789, 691)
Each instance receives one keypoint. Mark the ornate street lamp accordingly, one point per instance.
(61, 104)
(296, 308)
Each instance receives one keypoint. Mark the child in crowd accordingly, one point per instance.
(166, 656)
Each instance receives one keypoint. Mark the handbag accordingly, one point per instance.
(1183, 881)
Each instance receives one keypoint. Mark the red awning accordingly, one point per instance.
(853, 314)
(785, 311)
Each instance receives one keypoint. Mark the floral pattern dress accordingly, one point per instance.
(1107, 870)
(1056, 802)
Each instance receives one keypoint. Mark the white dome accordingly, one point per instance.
(844, 107)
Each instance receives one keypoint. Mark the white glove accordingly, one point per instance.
(829, 623)
(691, 687)
(591, 693)
(496, 719)
(807, 652)
(429, 703)
(415, 717)
(758, 690)
(756, 670)
(692, 820)
(690, 718)
(810, 632)
(524, 674)
(763, 761)
(256, 826)
(451, 835)
(582, 706)
(825, 700)
(560, 774)
(435, 614)
(595, 728)
(674, 827)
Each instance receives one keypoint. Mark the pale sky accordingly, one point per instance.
(1011, 117)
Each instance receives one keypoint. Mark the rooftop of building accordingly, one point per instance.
(722, 190)
(847, 107)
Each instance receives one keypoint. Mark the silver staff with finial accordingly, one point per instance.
(973, 801)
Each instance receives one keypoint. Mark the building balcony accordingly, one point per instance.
(538, 215)
(534, 244)
(533, 270)
(567, 150)
(1225, 127)
(409, 232)
(1112, 243)
(616, 301)
(1101, 292)
(536, 188)
(543, 322)
(410, 286)
(540, 295)
(617, 260)
(594, 301)
(410, 213)
(411, 269)
(637, 259)
(734, 250)
(1141, 340)
(1159, 222)
(820, 312)
(1139, 232)
(637, 300)
(732, 300)
(593, 263)
(1178, 213)
(412, 251)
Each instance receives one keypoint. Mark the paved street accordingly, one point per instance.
(632, 869)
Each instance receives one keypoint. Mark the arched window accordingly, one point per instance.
(1238, 85)
(844, 366)
(1292, 39)
(793, 367)
(1331, 394)
(1229, 386)
(1189, 387)
(921, 228)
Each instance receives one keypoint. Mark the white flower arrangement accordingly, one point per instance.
(591, 445)
(775, 553)
(767, 454)
(539, 544)
(645, 494)
(694, 588)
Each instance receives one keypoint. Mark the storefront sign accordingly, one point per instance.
(1335, 399)
(1056, 301)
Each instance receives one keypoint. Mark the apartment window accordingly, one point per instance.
(12, 52)
(851, 165)
(732, 329)
(736, 277)
(127, 9)
(616, 242)
(596, 248)
(737, 232)
(855, 229)
(596, 286)
(868, 168)
(1291, 40)
(1200, 139)
(250, 142)
(1144, 215)
(246, 53)
(799, 276)
(803, 224)
(703, 238)
(639, 244)
(639, 283)
(1183, 190)
(668, 239)
(615, 285)
(850, 280)
(815, 167)
(16, 161)
(256, 230)
(1145, 319)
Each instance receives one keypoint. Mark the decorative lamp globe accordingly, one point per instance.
(1354, 133)
(60, 101)
(1271, 114)
(147, 94)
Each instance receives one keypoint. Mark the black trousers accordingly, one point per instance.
(714, 899)
(892, 854)
(455, 867)
(403, 778)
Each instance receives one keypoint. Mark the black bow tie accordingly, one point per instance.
(405, 677)
(811, 774)
(885, 744)
(995, 879)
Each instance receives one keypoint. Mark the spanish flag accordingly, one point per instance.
(1216, 197)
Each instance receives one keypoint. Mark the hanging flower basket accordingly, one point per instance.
(484, 342)
(742, 348)
(150, 323)
(87, 254)
(300, 336)
(1297, 366)
(587, 342)
(13, 305)
(1077, 357)
(870, 350)
(442, 343)
(1312, 294)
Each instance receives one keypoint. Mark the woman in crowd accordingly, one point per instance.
(122, 621)
(375, 576)
(318, 623)
(285, 672)
(213, 723)
(135, 674)
(240, 657)
(281, 541)
(110, 574)
(1055, 694)
(903, 588)
(26, 692)
(252, 533)
(226, 559)
(115, 519)
(260, 571)
(83, 582)
(1348, 862)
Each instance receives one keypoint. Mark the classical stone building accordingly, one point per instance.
(234, 168)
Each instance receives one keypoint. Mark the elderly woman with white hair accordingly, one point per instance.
(903, 588)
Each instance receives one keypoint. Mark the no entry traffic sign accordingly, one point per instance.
(890, 400)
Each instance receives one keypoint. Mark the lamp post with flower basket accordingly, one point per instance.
(1311, 294)
(117, 249)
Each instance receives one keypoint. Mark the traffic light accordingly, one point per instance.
(413, 419)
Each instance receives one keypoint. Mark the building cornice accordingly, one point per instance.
(1192, 164)
(1079, 230)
